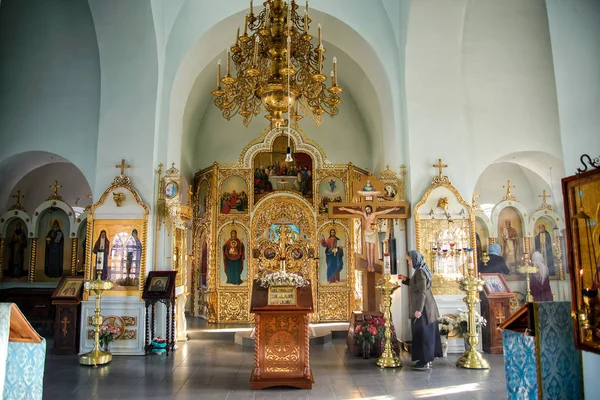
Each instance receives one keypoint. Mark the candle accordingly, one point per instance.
(267, 16)
(334, 71)
(306, 19)
(320, 58)
(320, 37)
(289, 50)
(255, 50)
(580, 290)
(246, 25)
(332, 79)
(251, 7)
(237, 36)
(219, 73)
(289, 16)
(99, 263)
(228, 58)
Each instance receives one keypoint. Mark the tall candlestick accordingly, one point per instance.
(228, 58)
(335, 70)
(219, 73)
(320, 36)
(255, 51)
(237, 36)
(320, 58)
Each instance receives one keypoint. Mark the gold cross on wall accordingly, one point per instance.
(544, 196)
(56, 186)
(18, 196)
(122, 166)
(508, 186)
(440, 166)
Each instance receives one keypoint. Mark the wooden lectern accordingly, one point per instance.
(281, 347)
(495, 308)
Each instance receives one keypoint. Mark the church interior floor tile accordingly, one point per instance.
(220, 369)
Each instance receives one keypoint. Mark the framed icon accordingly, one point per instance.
(69, 288)
(160, 285)
(171, 190)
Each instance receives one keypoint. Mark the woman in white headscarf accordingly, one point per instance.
(540, 283)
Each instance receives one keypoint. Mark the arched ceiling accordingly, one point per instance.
(357, 88)
(368, 67)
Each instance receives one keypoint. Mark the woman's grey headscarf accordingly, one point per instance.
(495, 249)
(418, 262)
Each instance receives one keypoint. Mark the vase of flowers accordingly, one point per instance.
(447, 324)
(462, 325)
(108, 334)
(368, 332)
(282, 278)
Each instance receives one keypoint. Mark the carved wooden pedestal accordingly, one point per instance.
(495, 308)
(281, 350)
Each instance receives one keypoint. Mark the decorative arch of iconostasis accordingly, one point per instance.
(118, 224)
(253, 197)
(445, 229)
(42, 247)
(517, 232)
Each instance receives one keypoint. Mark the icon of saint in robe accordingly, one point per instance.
(18, 243)
(55, 244)
(233, 259)
(102, 244)
(334, 256)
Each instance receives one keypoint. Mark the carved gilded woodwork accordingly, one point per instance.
(333, 305)
(430, 222)
(234, 306)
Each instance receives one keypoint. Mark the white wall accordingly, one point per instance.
(49, 80)
(528, 186)
(344, 137)
(36, 186)
(478, 86)
(575, 33)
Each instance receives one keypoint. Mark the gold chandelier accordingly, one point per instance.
(277, 65)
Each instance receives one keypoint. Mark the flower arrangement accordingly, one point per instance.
(159, 342)
(462, 321)
(108, 334)
(370, 330)
(447, 325)
(281, 278)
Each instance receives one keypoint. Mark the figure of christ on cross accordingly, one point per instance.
(370, 229)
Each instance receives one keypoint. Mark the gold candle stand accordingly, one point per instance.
(471, 358)
(528, 269)
(96, 356)
(388, 359)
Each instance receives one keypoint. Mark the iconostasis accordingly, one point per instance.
(242, 210)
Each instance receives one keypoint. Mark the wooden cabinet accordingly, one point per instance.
(35, 304)
(495, 308)
(281, 347)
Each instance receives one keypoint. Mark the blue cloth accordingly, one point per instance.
(495, 249)
(418, 262)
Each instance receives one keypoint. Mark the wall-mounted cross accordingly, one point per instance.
(56, 186)
(440, 166)
(544, 196)
(18, 196)
(122, 166)
(508, 187)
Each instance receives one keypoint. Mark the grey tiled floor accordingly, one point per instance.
(221, 370)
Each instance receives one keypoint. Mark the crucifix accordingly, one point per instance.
(65, 322)
(56, 186)
(122, 166)
(440, 167)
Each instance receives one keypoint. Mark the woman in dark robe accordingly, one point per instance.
(540, 281)
(496, 263)
(102, 244)
(423, 312)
